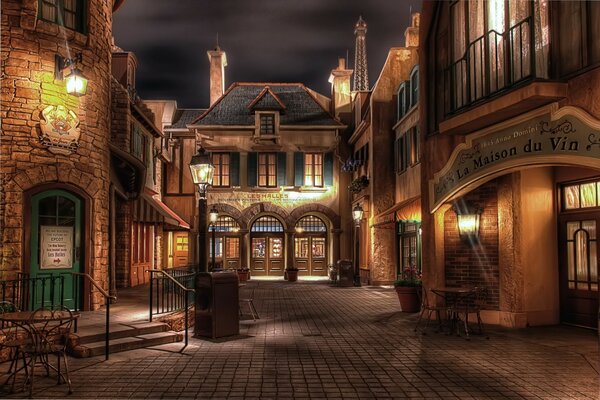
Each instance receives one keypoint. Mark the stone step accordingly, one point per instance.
(92, 349)
(96, 333)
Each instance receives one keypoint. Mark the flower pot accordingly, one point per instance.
(409, 298)
(243, 275)
(292, 276)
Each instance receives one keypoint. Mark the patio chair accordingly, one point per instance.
(430, 307)
(473, 305)
(13, 336)
(50, 331)
(249, 301)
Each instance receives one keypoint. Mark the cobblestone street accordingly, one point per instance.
(317, 341)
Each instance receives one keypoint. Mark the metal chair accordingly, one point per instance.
(250, 305)
(430, 308)
(50, 332)
(13, 336)
(473, 305)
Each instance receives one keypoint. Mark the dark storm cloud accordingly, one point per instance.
(265, 41)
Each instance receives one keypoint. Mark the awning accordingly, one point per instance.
(169, 215)
(408, 210)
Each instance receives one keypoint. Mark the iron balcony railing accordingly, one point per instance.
(493, 62)
(28, 294)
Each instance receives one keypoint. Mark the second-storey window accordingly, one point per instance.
(68, 13)
(267, 124)
(221, 175)
(313, 169)
(138, 142)
(267, 169)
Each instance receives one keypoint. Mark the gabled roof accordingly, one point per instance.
(267, 100)
(234, 107)
(183, 116)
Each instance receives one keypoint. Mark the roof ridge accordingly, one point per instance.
(219, 100)
(262, 94)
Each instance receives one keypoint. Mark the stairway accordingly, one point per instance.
(89, 341)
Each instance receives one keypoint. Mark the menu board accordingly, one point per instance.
(56, 247)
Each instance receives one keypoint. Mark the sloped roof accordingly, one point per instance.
(267, 100)
(184, 116)
(301, 108)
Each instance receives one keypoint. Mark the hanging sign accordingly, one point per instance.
(59, 129)
(565, 136)
(284, 199)
(56, 247)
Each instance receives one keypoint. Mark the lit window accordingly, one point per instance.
(409, 246)
(267, 224)
(267, 124)
(267, 170)
(221, 175)
(67, 13)
(182, 243)
(310, 224)
(584, 195)
(313, 169)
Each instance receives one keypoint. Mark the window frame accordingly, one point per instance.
(219, 175)
(403, 234)
(79, 16)
(313, 166)
(271, 129)
(414, 86)
(268, 176)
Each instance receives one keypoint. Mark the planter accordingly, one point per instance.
(243, 275)
(292, 276)
(409, 298)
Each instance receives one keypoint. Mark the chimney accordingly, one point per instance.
(341, 99)
(411, 35)
(218, 62)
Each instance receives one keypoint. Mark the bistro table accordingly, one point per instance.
(28, 321)
(452, 296)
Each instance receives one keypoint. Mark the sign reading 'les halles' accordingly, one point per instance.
(566, 136)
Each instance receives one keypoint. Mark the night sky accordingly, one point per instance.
(265, 41)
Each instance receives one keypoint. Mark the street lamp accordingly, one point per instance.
(357, 214)
(202, 171)
(213, 215)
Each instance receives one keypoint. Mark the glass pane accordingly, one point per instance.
(588, 195)
(318, 247)
(258, 247)
(571, 261)
(301, 248)
(66, 207)
(594, 261)
(47, 206)
(571, 228)
(276, 245)
(66, 221)
(233, 247)
(581, 258)
(590, 228)
(571, 197)
(47, 221)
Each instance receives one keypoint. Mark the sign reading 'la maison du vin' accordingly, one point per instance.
(545, 139)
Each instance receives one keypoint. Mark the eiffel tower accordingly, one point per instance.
(361, 73)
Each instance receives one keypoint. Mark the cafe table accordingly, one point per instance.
(453, 296)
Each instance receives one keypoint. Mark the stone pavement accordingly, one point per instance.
(316, 341)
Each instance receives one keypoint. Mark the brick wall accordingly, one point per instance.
(476, 265)
(28, 49)
(123, 245)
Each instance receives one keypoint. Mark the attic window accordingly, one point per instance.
(267, 124)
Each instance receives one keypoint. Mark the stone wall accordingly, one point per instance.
(27, 56)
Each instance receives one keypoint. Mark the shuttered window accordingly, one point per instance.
(221, 161)
(267, 169)
(313, 169)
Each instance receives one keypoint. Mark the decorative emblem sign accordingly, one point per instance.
(59, 129)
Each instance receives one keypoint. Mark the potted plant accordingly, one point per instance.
(358, 184)
(243, 274)
(408, 288)
(292, 274)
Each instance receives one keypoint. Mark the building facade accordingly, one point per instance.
(511, 123)
(54, 163)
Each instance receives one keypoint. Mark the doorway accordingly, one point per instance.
(56, 249)
(227, 242)
(266, 247)
(310, 246)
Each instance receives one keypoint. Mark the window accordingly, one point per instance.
(409, 246)
(225, 223)
(313, 169)
(310, 223)
(267, 124)
(267, 169)
(578, 47)
(181, 243)
(221, 175)
(414, 87)
(401, 98)
(267, 224)
(583, 195)
(138, 142)
(232, 248)
(67, 13)
(406, 150)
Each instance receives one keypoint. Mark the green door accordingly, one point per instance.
(56, 229)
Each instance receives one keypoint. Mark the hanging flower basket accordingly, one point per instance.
(358, 184)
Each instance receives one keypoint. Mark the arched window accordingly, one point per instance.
(225, 223)
(267, 224)
(310, 223)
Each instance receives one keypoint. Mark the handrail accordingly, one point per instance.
(107, 297)
(178, 284)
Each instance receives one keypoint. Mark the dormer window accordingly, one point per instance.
(267, 124)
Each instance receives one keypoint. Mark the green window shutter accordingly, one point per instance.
(328, 169)
(298, 169)
(281, 156)
(234, 168)
(252, 165)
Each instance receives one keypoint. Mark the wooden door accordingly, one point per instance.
(56, 248)
(258, 254)
(232, 253)
(579, 253)
(318, 256)
(181, 251)
(275, 263)
(302, 255)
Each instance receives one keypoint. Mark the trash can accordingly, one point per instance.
(217, 311)
(345, 272)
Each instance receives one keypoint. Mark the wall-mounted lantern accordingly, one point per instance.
(357, 214)
(468, 216)
(76, 82)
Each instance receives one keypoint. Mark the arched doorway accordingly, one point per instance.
(267, 247)
(227, 242)
(56, 243)
(310, 246)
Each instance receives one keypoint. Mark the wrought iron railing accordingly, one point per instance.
(171, 290)
(28, 294)
(493, 62)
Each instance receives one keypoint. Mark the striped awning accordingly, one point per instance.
(149, 208)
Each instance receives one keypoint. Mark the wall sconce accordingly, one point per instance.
(468, 217)
(357, 214)
(76, 82)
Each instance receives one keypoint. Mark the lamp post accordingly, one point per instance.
(202, 174)
(357, 214)
(213, 215)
